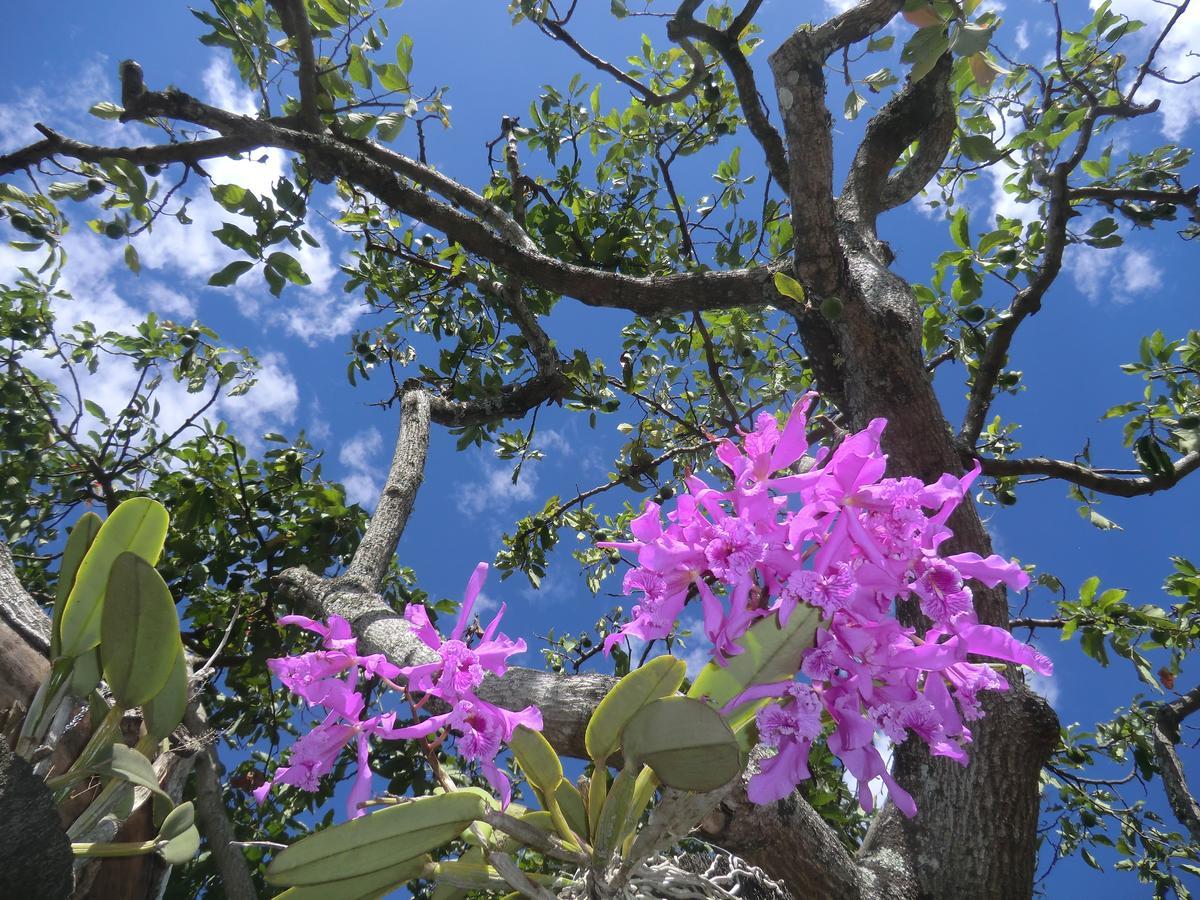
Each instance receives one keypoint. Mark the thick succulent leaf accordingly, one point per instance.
(610, 830)
(138, 526)
(368, 885)
(85, 673)
(130, 765)
(537, 759)
(179, 831)
(373, 843)
(82, 536)
(769, 654)
(164, 711)
(686, 742)
(139, 631)
(658, 678)
(571, 803)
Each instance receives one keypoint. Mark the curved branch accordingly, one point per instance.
(294, 19)
(649, 97)
(1166, 735)
(359, 162)
(370, 562)
(923, 112)
(56, 144)
(19, 610)
(1090, 478)
(855, 24)
(726, 45)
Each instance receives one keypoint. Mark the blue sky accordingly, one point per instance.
(1070, 352)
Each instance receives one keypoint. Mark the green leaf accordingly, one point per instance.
(537, 759)
(231, 273)
(85, 673)
(658, 678)
(970, 39)
(179, 831)
(373, 843)
(139, 631)
(978, 147)
(78, 542)
(106, 110)
(289, 267)
(686, 742)
(182, 848)
(130, 765)
(960, 229)
(855, 103)
(366, 886)
(138, 525)
(769, 654)
(132, 260)
(614, 817)
(924, 49)
(164, 711)
(570, 801)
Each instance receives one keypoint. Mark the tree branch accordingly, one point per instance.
(378, 545)
(855, 24)
(726, 45)
(923, 112)
(294, 19)
(1028, 300)
(212, 818)
(1166, 735)
(1091, 478)
(649, 97)
(19, 610)
(56, 144)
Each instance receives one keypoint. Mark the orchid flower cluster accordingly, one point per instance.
(330, 679)
(840, 537)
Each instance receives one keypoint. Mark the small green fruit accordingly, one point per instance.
(427, 240)
(722, 128)
(37, 232)
(712, 93)
(831, 308)
(21, 222)
(974, 314)
(114, 230)
(95, 185)
(153, 169)
(375, 221)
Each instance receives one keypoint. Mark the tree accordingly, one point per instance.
(710, 342)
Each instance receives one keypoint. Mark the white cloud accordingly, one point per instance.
(1021, 38)
(1176, 58)
(1119, 276)
(270, 404)
(495, 491)
(360, 456)
(1139, 273)
(167, 302)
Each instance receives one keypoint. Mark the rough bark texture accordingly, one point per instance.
(35, 854)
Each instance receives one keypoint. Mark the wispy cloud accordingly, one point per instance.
(360, 456)
(1176, 58)
(495, 491)
(1118, 276)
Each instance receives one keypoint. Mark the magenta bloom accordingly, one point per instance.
(329, 678)
(843, 539)
(481, 728)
